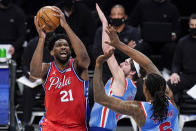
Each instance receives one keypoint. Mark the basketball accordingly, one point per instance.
(46, 17)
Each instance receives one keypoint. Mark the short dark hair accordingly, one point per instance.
(135, 76)
(54, 38)
(192, 16)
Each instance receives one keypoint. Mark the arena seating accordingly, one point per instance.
(187, 109)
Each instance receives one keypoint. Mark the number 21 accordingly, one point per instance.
(67, 96)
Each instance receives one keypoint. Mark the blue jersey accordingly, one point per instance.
(170, 124)
(102, 116)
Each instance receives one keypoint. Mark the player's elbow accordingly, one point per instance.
(84, 62)
(101, 100)
(35, 74)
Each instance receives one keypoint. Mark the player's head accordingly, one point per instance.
(154, 90)
(129, 68)
(117, 15)
(59, 47)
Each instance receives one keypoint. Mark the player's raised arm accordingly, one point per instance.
(37, 68)
(82, 57)
(140, 58)
(117, 73)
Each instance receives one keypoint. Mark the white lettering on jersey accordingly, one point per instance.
(59, 83)
(69, 69)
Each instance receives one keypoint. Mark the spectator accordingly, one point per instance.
(159, 12)
(126, 33)
(80, 19)
(183, 67)
(12, 27)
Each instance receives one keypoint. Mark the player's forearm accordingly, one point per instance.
(116, 71)
(78, 47)
(140, 58)
(98, 86)
(36, 61)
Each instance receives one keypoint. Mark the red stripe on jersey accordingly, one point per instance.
(133, 83)
(170, 102)
(143, 109)
(105, 109)
(125, 86)
(117, 115)
(104, 117)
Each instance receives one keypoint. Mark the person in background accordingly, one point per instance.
(183, 68)
(157, 12)
(12, 25)
(159, 112)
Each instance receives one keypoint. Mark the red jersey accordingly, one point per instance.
(65, 96)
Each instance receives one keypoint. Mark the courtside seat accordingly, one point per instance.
(187, 109)
(133, 123)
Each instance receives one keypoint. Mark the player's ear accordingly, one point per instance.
(52, 53)
(132, 73)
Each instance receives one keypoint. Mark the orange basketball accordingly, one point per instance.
(46, 17)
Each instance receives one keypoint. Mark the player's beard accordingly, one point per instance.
(64, 61)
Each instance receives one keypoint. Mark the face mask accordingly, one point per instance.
(117, 22)
(192, 31)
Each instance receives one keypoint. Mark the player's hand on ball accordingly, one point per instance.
(39, 29)
(45, 16)
(60, 15)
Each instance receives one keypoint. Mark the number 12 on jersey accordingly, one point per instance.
(67, 96)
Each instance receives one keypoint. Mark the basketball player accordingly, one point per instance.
(120, 86)
(65, 79)
(159, 113)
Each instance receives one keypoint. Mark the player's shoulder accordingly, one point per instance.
(130, 82)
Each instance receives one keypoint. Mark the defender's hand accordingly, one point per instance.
(114, 39)
(103, 58)
(132, 44)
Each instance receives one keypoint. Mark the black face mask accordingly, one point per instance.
(192, 31)
(117, 22)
